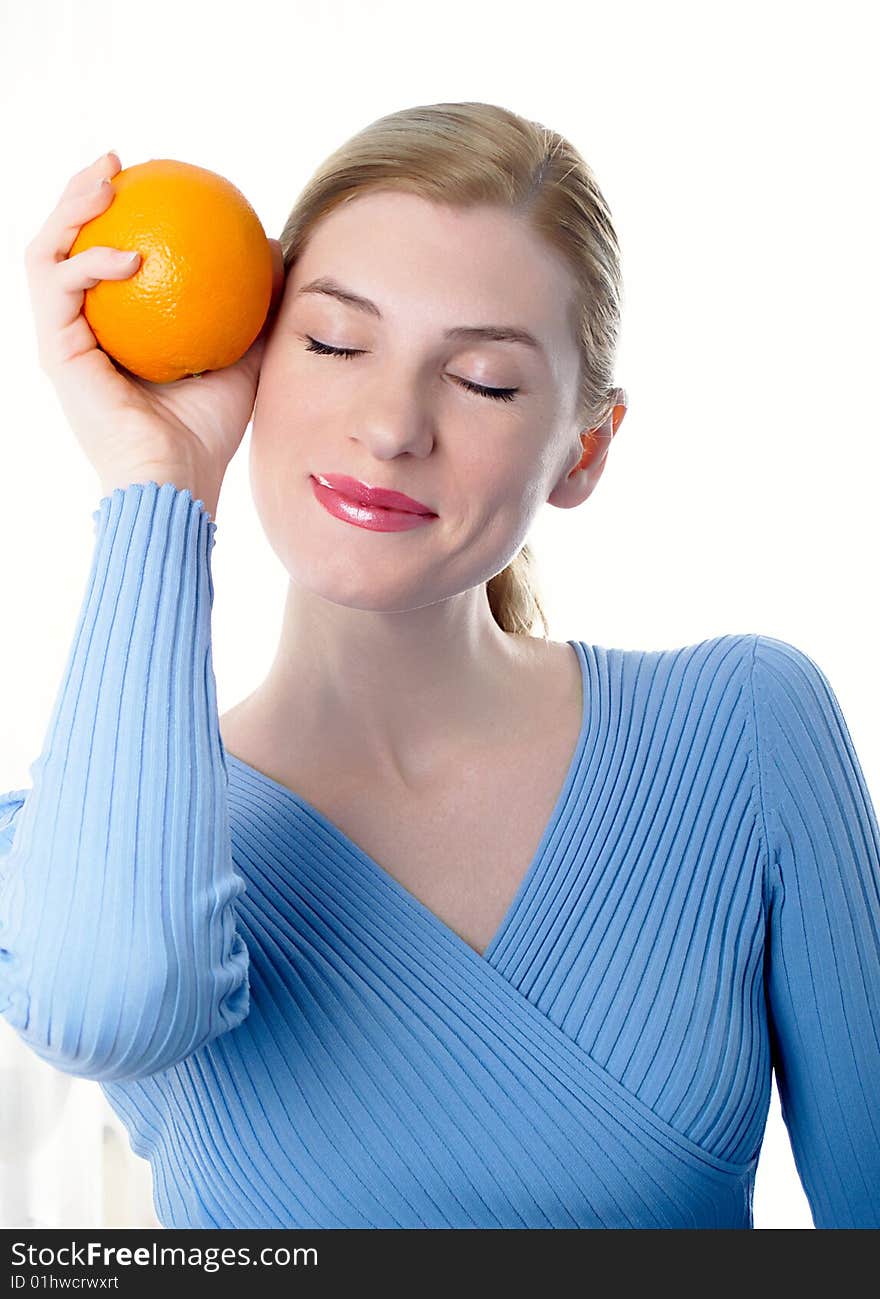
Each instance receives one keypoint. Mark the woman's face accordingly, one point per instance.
(399, 413)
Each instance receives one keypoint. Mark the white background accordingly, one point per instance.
(736, 146)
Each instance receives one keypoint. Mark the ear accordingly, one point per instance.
(580, 478)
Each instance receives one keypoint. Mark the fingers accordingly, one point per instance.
(57, 283)
(81, 183)
(107, 165)
(81, 200)
(57, 299)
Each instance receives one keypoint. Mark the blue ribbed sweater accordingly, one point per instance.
(294, 1040)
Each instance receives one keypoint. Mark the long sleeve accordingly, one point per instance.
(119, 952)
(822, 966)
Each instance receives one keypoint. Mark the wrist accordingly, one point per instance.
(200, 486)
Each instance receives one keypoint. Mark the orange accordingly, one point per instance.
(201, 293)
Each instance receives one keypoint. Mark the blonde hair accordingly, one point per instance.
(463, 154)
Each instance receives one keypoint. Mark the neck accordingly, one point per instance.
(400, 691)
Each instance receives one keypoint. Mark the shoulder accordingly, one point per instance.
(754, 650)
(778, 664)
(771, 668)
(795, 704)
(678, 688)
(791, 691)
(711, 646)
(715, 657)
(775, 684)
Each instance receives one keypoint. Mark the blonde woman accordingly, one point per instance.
(446, 924)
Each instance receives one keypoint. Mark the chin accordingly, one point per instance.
(355, 583)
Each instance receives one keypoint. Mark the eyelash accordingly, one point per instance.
(345, 353)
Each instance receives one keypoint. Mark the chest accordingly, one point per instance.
(463, 849)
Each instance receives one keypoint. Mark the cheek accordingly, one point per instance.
(277, 475)
(496, 500)
(503, 483)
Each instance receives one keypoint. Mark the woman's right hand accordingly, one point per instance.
(185, 432)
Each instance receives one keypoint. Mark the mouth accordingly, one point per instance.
(358, 493)
(375, 518)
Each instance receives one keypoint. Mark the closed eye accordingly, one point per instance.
(345, 353)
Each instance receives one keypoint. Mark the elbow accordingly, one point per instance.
(149, 1031)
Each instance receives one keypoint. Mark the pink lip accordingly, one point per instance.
(376, 518)
(361, 494)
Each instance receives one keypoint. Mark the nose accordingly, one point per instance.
(393, 421)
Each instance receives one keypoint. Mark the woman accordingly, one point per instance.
(445, 925)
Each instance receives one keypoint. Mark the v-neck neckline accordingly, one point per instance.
(386, 879)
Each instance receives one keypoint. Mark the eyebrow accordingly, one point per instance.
(494, 333)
